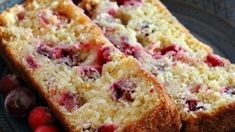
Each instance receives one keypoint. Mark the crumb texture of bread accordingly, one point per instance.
(89, 84)
(201, 82)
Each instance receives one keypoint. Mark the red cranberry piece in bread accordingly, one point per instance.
(192, 104)
(69, 100)
(43, 19)
(128, 2)
(31, 62)
(123, 89)
(21, 15)
(89, 72)
(172, 48)
(103, 56)
(214, 60)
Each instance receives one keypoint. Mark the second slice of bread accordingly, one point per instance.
(201, 83)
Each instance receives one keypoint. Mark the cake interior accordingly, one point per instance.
(85, 77)
(197, 79)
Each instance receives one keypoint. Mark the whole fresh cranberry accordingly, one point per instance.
(20, 101)
(47, 128)
(39, 116)
(7, 83)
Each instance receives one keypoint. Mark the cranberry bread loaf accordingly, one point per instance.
(87, 82)
(201, 83)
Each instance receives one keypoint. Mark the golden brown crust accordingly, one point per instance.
(221, 120)
(160, 119)
(164, 118)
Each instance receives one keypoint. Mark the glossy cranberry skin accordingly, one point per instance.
(39, 116)
(107, 128)
(47, 128)
(20, 101)
(214, 60)
(7, 83)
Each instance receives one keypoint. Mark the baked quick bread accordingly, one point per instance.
(201, 83)
(88, 83)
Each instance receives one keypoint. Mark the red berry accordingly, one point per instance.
(192, 104)
(19, 101)
(50, 52)
(31, 62)
(123, 89)
(40, 116)
(214, 60)
(103, 56)
(172, 48)
(7, 83)
(127, 48)
(43, 18)
(129, 2)
(47, 128)
(107, 128)
(21, 15)
(69, 100)
(112, 12)
(89, 72)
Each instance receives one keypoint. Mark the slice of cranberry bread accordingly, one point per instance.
(201, 82)
(87, 82)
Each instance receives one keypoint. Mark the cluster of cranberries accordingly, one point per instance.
(21, 102)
